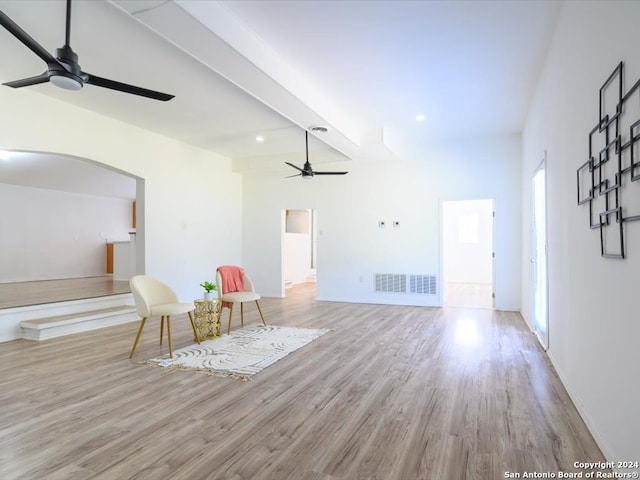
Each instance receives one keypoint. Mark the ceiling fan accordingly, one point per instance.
(63, 69)
(306, 171)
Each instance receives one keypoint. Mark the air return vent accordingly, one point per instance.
(398, 283)
(391, 282)
(425, 284)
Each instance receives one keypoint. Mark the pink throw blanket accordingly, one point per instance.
(232, 280)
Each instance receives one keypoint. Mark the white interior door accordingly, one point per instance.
(539, 256)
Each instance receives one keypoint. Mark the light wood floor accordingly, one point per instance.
(394, 392)
(20, 294)
(470, 295)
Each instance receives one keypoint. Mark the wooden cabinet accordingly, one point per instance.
(109, 257)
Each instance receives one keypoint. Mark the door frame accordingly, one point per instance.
(493, 246)
(543, 336)
(313, 247)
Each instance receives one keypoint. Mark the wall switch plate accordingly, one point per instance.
(396, 223)
(381, 224)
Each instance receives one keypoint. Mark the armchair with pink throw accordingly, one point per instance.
(235, 286)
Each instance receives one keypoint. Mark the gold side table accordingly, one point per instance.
(207, 318)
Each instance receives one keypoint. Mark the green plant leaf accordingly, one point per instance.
(208, 286)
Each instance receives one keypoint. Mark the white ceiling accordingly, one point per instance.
(239, 69)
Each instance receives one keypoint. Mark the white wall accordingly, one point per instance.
(593, 310)
(193, 201)
(298, 221)
(351, 247)
(50, 234)
(297, 257)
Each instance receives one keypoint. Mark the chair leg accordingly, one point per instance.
(230, 313)
(242, 314)
(169, 335)
(193, 325)
(260, 311)
(135, 343)
(161, 328)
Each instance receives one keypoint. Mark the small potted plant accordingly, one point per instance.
(208, 288)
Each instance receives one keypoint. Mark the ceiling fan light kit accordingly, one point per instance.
(66, 82)
(63, 70)
(306, 171)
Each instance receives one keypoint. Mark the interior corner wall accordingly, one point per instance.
(193, 200)
(593, 314)
(351, 247)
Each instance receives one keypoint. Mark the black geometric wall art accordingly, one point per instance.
(611, 239)
(600, 203)
(585, 182)
(609, 181)
(611, 97)
(634, 151)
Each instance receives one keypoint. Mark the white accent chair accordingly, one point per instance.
(231, 298)
(153, 298)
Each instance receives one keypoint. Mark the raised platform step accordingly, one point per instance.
(65, 317)
(51, 327)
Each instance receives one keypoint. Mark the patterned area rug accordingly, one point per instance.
(242, 353)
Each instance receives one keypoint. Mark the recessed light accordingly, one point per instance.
(259, 139)
(420, 118)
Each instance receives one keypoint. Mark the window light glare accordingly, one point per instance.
(4, 155)
(420, 118)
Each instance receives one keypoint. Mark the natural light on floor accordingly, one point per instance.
(466, 333)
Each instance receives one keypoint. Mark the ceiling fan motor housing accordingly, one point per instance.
(71, 78)
(67, 56)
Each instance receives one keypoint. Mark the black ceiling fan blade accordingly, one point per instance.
(126, 88)
(64, 70)
(294, 166)
(27, 40)
(330, 173)
(25, 82)
(296, 175)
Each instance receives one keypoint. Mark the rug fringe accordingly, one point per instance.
(211, 373)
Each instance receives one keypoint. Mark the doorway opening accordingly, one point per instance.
(59, 189)
(299, 251)
(468, 253)
(539, 255)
